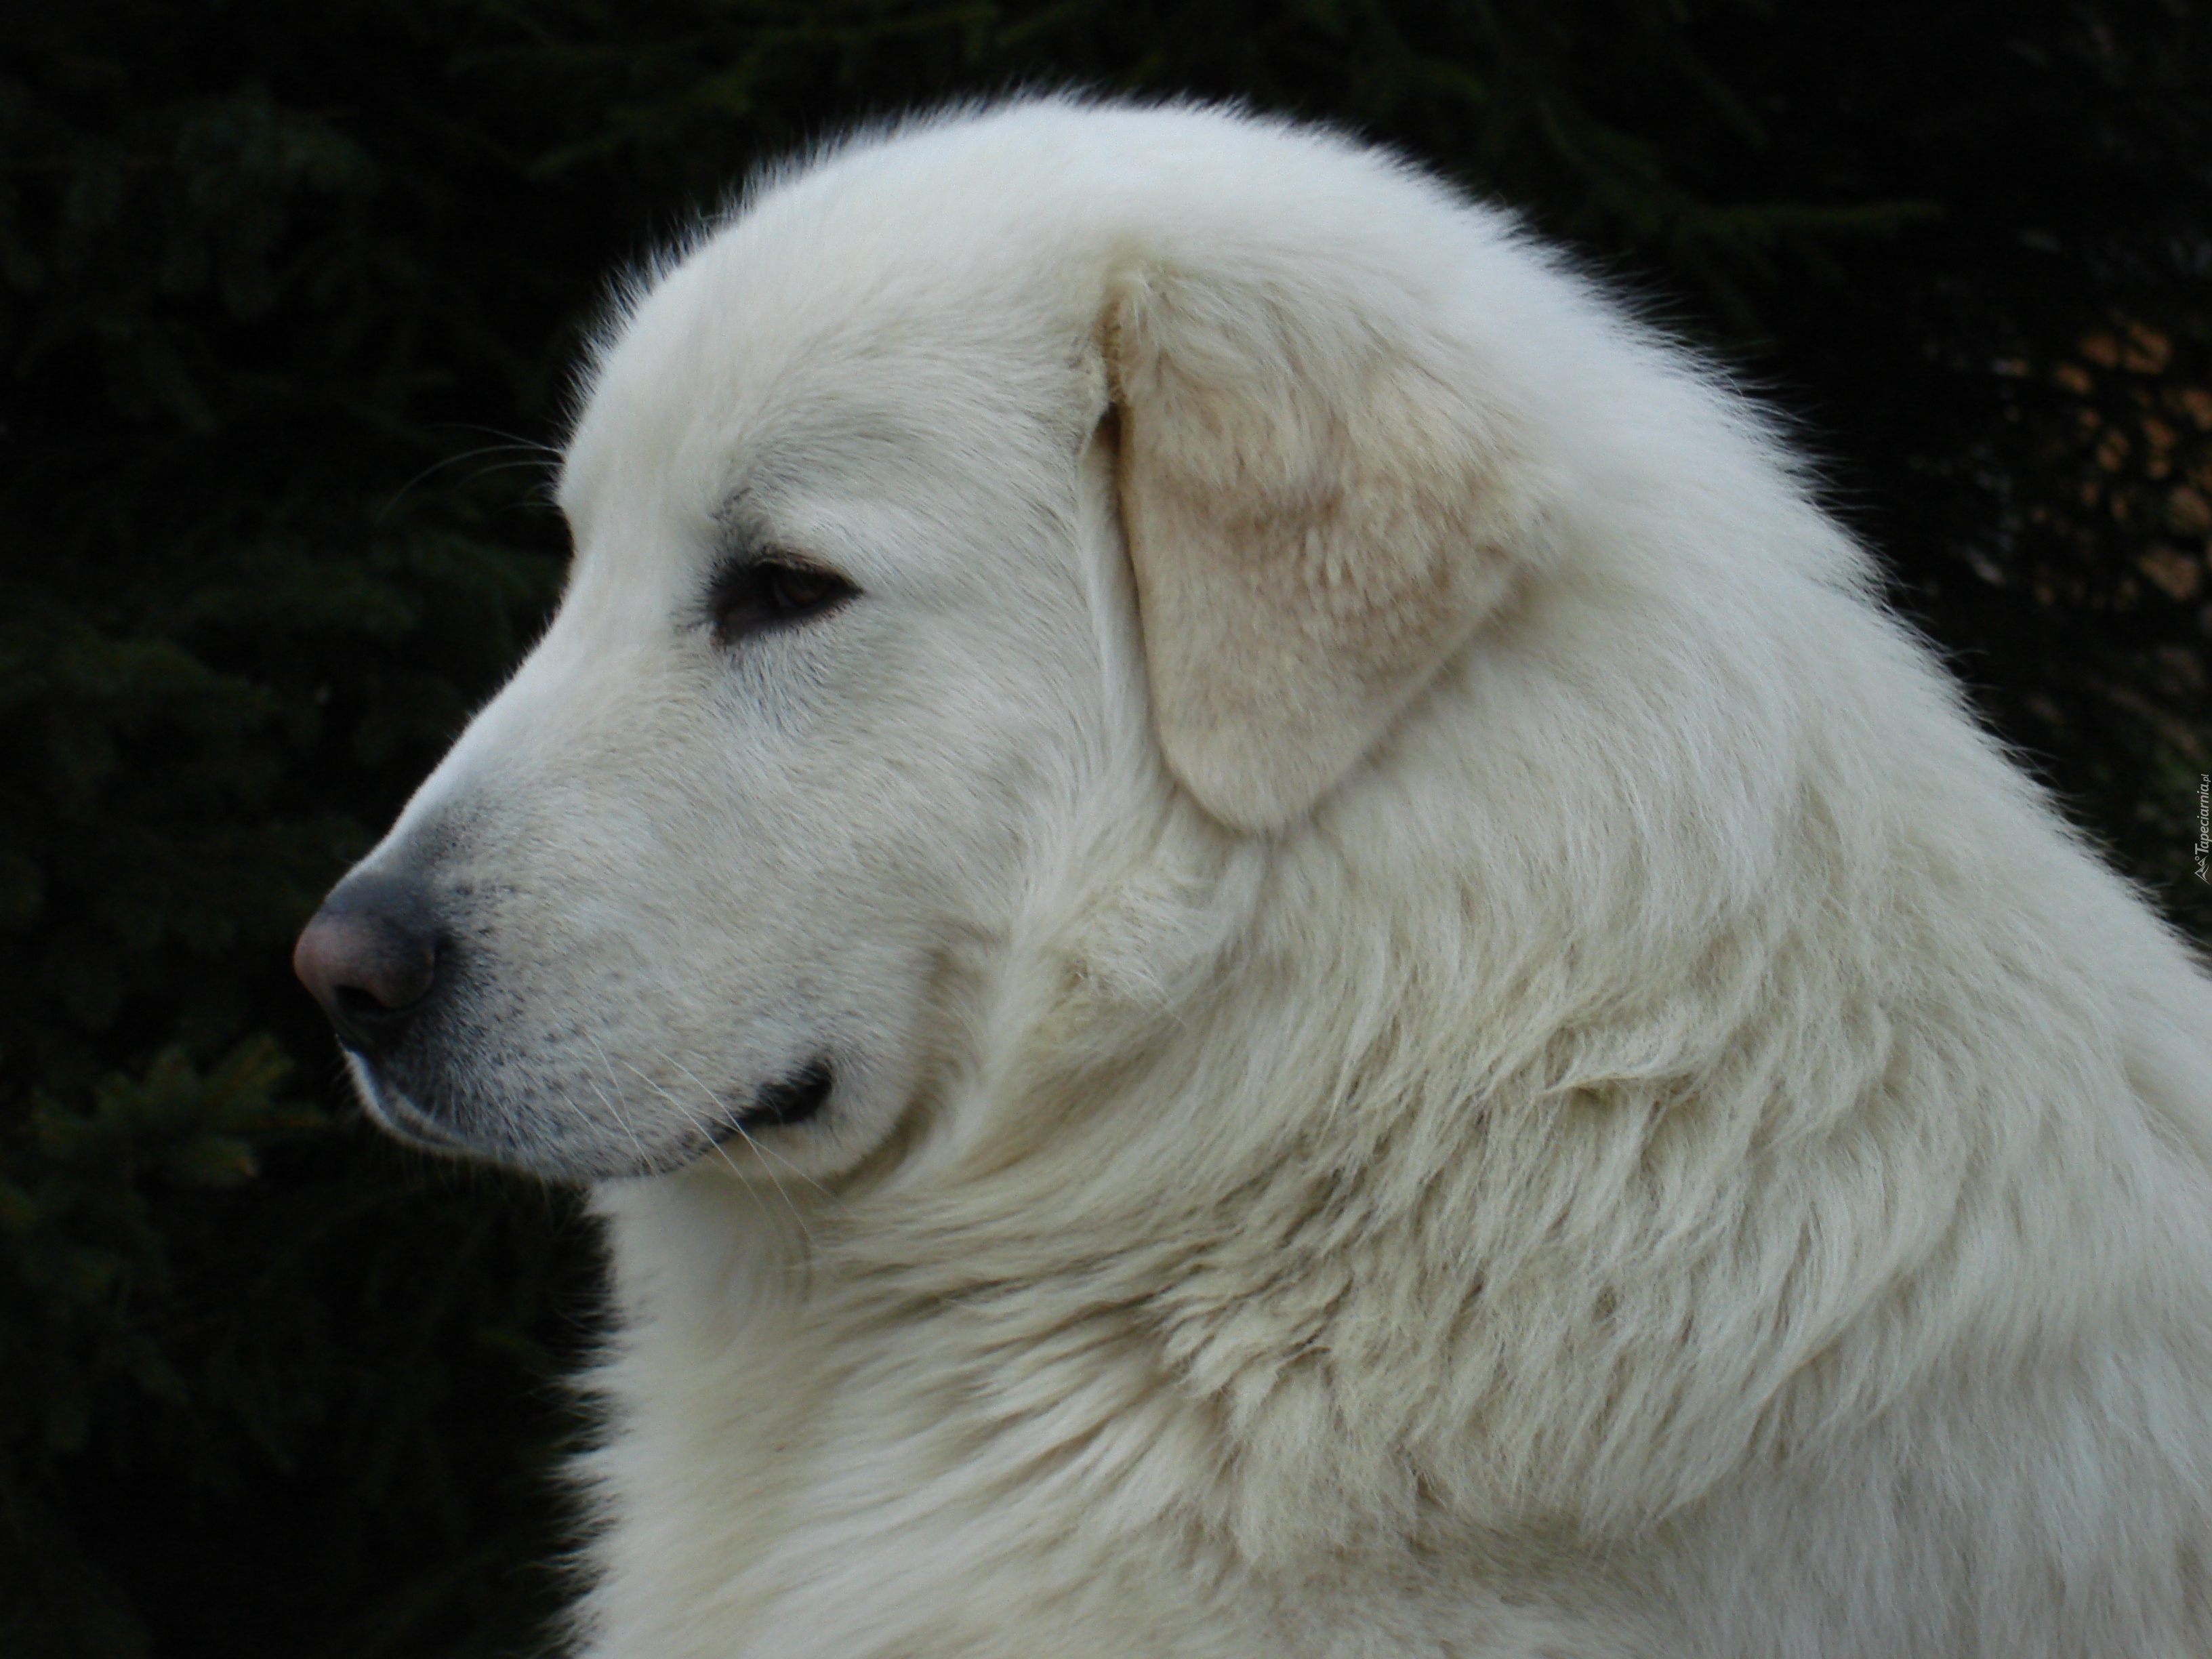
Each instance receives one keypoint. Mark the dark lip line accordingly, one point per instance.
(794, 1100)
(787, 1102)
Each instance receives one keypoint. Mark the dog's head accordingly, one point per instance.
(974, 501)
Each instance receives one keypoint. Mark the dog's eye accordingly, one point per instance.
(767, 593)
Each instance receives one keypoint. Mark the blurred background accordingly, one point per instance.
(289, 300)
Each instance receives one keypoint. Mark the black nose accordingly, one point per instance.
(370, 955)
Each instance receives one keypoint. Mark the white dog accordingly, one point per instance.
(1264, 953)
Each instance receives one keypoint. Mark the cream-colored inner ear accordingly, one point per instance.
(1317, 522)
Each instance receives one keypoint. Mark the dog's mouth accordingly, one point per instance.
(469, 1127)
(794, 1100)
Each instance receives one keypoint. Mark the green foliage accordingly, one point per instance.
(90, 1273)
(244, 1351)
(275, 283)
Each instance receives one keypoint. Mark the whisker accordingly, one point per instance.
(535, 462)
(614, 1108)
(709, 1094)
(514, 440)
(706, 1128)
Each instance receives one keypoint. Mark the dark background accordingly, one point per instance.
(289, 299)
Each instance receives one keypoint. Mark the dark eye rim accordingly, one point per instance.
(772, 591)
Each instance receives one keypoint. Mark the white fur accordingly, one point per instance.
(1597, 1117)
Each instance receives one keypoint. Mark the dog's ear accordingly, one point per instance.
(1319, 515)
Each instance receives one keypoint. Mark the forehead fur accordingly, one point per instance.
(977, 249)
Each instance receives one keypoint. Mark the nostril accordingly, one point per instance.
(388, 973)
(357, 1004)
